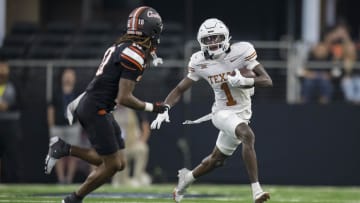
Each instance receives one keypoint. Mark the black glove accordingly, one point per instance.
(160, 107)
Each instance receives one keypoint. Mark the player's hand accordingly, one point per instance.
(157, 61)
(160, 107)
(161, 117)
(238, 80)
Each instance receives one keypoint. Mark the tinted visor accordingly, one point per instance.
(212, 39)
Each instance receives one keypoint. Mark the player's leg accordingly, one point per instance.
(87, 154)
(104, 134)
(246, 135)
(235, 130)
(186, 177)
(209, 163)
(111, 164)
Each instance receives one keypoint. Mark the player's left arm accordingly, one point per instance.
(262, 78)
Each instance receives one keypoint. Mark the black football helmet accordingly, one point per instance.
(145, 21)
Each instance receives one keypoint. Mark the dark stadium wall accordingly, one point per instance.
(22, 11)
(245, 19)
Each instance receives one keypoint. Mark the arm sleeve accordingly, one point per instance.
(250, 56)
(192, 74)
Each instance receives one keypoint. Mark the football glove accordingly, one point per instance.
(157, 107)
(238, 80)
(160, 107)
(157, 61)
(161, 117)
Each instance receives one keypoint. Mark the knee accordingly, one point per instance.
(118, 164)
(245, 134)
(121, 165)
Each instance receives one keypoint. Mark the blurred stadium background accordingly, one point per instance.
(297, 144)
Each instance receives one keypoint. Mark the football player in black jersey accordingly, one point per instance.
(122, 66)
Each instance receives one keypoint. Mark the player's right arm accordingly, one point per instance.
(192, 76)
(262, 78)
(172, 98)
(175, 95)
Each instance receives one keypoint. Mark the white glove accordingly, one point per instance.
(157, 61)
(161, 117)
(238, 80)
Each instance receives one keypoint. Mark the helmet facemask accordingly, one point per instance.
(213, 37)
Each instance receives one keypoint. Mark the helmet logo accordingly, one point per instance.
(152, 14)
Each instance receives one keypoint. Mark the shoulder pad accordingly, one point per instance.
(243, 49)
(134, 54)
(196, 59)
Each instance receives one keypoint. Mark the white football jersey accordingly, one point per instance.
(241, 55)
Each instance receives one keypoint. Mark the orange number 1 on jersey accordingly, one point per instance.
(231, 101)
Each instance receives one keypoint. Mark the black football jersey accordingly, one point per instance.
(124, 60)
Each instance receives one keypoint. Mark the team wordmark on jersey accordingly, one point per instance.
(218, 78)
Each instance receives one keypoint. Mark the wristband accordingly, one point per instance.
(149, 106)
(168, 106)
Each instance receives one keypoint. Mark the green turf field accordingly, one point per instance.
(17, 193)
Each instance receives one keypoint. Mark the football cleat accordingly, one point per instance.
(57, 149)
(180, 190)
(71, 199)
(262, 197)
(177, 196)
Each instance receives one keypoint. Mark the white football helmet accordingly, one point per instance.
(213, 36)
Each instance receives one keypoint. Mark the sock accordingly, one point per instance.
(189, 177)
(256, 188)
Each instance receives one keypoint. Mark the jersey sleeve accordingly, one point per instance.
(192, 66)
(250, 56)
(132, 60)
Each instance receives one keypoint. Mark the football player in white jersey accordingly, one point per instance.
(218, 63)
